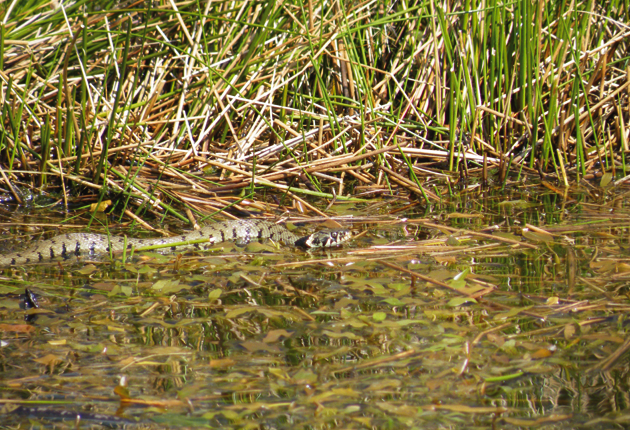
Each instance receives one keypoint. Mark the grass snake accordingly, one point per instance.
(240, 231)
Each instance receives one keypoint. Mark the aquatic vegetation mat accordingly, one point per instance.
(476, 314)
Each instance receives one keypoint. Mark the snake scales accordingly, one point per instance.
(240, 231)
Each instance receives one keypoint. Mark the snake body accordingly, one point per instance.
(240, 231)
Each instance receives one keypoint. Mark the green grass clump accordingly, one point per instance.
(164, 107)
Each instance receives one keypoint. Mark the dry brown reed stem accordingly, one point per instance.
(479, 234)
(406, 183)
(426, 278)
(608, 362)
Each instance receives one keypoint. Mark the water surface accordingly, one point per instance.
(504, 308)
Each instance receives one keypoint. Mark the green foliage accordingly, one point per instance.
(135, 99)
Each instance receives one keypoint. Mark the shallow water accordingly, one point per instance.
(496, 308)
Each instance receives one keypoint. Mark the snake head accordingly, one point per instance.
(324, 239)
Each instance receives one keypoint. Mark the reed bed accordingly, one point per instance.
(189, 108)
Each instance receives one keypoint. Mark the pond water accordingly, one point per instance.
(497, 308)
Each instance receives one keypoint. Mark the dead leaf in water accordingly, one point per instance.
(542, 353)
(274, 335)
(222, 363)
(100, 207)
(17, 328)
(49, 360)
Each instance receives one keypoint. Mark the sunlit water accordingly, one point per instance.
(501, 308)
